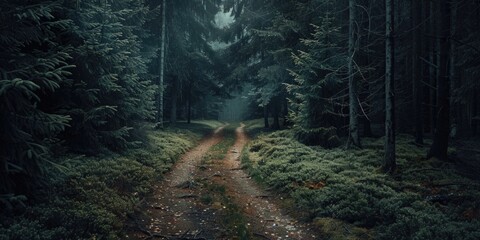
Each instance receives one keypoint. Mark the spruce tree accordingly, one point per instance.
(317, 77)
(33, 65)
(112, 88)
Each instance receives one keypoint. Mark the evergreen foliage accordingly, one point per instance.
(261, 56)
(192, 67)
(112, 88)
(33, 66)
(83, 77)
(74, 74)
(318, 74)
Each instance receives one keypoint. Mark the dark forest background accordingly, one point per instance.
(84, 77)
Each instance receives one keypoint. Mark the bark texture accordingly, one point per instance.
(354, 136)
(389, 164)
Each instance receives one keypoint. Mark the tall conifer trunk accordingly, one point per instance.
(276, 114)
(4, 175)
(389, 164)
(432, 71)
(285, 112)
(453, 81)
(265, 116)
(189, 104)
(162, 67)
(173, 110)
(417, 50)
(442, 130)
(474, 122)
(354, 136)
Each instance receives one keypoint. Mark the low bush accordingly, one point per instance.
(425, 199)
(325, 137)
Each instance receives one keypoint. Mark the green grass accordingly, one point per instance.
(425, 199)
(90, 198)
(220, 150)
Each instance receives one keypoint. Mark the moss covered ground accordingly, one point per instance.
(347, 197)
(92, 197)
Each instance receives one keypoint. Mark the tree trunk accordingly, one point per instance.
(265, 116)
(452, 73)
(389, 164)
(162, 68)
(4, 176)
(367, 128)
(367, 123)
(473, 122)
(354, 136)
(432, 70)
(276, 115)
(417, 71)
(189, 105)
(425, 67)
(285, 112)
(441, 135)
(173, 110)
(436, 79)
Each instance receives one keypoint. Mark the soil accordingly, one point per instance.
(185, 207)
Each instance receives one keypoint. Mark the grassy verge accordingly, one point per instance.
(346, 196)
(90, 198)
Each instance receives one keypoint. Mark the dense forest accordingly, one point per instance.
(359, 119)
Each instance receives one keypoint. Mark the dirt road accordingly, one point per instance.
(205, 198)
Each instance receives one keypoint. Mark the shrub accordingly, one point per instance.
(325, 137)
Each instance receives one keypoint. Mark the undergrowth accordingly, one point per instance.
(425, 199)
(90, 198)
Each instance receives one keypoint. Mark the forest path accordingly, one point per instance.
(204, 198)
(265, 219)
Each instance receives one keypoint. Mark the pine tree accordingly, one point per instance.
(264, 50)
(190, 28)
(317, 77)
(112, 88)
(32, 66)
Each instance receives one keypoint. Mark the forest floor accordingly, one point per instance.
(207, 195)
